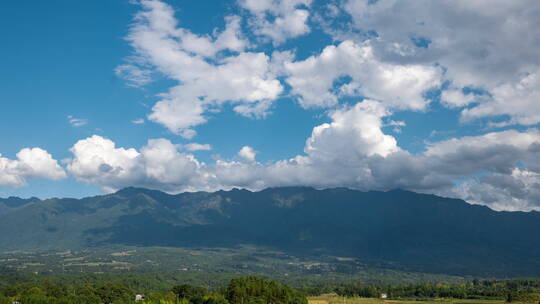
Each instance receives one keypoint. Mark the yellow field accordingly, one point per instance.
(335, 299)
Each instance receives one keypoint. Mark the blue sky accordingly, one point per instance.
(198, 95)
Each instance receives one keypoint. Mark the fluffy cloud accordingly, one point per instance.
(206, 80)
(487, 45)
(30, 163)
(97, 157)
(97, 160)
(517, 191)
(353, 133)
(160, 165)
(399, 86)
(351, 150)
(455, 98)
(518, 100)
(401, 51)
(163, 164)
(482, 55)
(247, 153)
(278, 20)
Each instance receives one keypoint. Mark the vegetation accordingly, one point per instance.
(396, 230)
(122, 289)
(523, 290)
(161, 268)
(246, 290)
(335, 299)
(256, 290)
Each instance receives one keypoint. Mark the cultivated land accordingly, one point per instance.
(335, 299)
(210, 266)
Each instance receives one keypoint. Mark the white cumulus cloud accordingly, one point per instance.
(351, 151)
(30, 163)
(247, 153)
(278, 20)
(481, 56)
(397, 85)
(488, 45)
(205, 80)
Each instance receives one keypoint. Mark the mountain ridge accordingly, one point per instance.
(399, 228)
(141, 189)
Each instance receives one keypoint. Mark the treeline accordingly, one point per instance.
(512, 290)
(246, 290)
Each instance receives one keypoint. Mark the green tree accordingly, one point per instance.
(215, 299)
(114, 293)
(509, 298)
(253, 290)
(189, 292)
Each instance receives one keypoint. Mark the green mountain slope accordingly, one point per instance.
(400, 229)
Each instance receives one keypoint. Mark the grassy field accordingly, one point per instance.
(335, 299)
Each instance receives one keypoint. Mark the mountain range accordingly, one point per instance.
(398, 229)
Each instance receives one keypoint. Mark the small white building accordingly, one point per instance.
(139, 298)
(384, 296)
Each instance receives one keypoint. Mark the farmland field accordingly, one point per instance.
(209, 266)
(335, 299)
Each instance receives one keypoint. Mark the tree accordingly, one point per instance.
(254, 290)
(112, 292)
(189, 292)
(215, 299)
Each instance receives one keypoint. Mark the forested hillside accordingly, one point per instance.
(399, 229)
